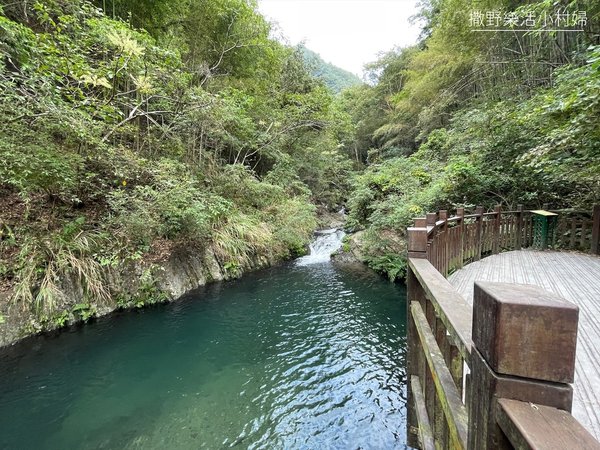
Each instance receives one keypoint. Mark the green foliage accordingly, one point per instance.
(346, 246)
(84, 311)
(147, 292)
(384, 251)
(232, 269)
(171, 205)
(468, 118)
(131, 127)
(61, 319)
(392, 264)
(43, 266)
(148, 14)
(293, 222)
(334, 78)
(33, 164)
(389, 194)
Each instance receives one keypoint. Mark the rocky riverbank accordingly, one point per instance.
(132, 285)
(170, 273)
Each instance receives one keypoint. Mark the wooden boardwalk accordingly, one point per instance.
(573, 276)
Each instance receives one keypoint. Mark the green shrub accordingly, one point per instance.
(84, 311)
(32, 164)
(173, 206)
(293, 222)
(43, 264)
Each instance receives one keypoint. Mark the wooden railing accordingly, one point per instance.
(452, 242)
(491, 376)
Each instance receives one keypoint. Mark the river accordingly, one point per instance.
(305, 355)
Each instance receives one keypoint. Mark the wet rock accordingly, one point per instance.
(351, 251)
(327, 220)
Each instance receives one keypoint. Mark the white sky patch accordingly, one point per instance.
(347, 33)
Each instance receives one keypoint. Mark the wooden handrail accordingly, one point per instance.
(452, 309)
(531, 426)
(448, 394)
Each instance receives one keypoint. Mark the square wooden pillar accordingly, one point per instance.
(524, 349)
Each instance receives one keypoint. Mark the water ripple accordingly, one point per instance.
(295, 357)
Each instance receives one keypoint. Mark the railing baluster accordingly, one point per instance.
(440, 422)
(573, 233)
(583, 239)
(562, 230)
(479, 237)
(460, 212)
(595, 244)
(496, 237)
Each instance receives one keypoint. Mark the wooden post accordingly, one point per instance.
(417, 242)
(479, 232)
(517, 355)
(420, 222)
(519, 233)
(573, 233)
(430, 219)
(582, 239)
(496, 238)
(443, 216)
(460, 212)
(596, 231)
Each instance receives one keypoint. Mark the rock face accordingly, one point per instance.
(351, 251)
(183, 270)
(186, 270)
(328, 220)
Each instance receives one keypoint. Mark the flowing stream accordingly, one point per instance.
(325, 243)
(302, 356)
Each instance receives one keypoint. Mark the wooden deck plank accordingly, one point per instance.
(573, 276)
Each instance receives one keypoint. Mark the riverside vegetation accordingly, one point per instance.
(137, 131)
(134, 130)
(466, 118)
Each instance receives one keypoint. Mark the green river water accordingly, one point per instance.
(294, 357)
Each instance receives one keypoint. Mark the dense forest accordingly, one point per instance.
(335, 78)
(469, 118)
(136, 127)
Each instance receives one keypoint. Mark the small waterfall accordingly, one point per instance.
(326, 242)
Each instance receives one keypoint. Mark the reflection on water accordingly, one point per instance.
(292, 357)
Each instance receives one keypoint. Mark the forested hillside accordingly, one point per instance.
(335, 78)
(467, 118)
(134, 128)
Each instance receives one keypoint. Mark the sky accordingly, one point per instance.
(347, 33)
